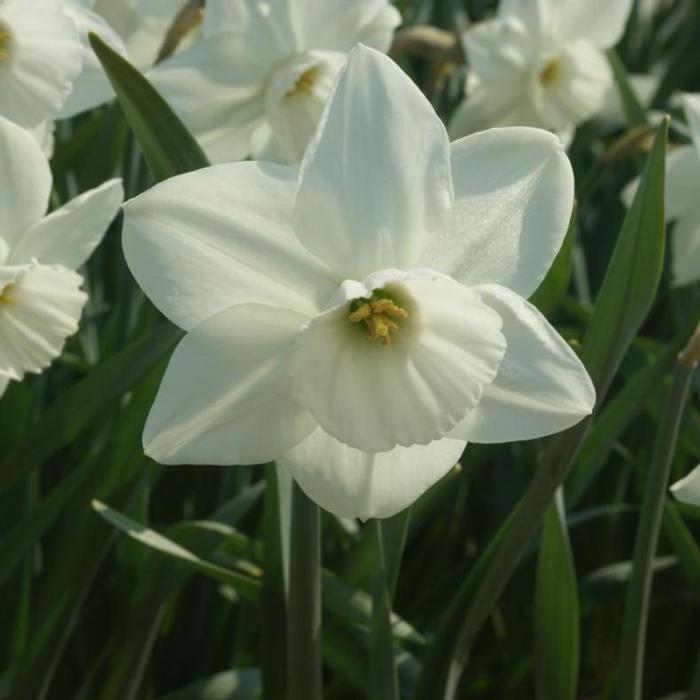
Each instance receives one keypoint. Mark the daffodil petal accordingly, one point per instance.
(69, 235)
(355, 484)
(414, 389)
(685, 247)
(687, 490)
(541, 386)
(201, 242)
(337, 25)
(225, 397)
(4, 382)
(599, 21)
(375, 181)
(514, 192)
(40, 307)
(24, 187)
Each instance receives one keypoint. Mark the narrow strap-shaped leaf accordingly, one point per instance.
(625, 298)
(631, 666)
(635, 114)
(169, 147)
(85, 402)
(557, 644)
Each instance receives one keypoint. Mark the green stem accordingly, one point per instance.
(272, 603)
(383, 684)
(638, 593)
(304, 610)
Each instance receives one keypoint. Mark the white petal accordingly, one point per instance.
(217, 88)
(413, 390)
(44, 58)
(376, 179)
(687, 490)
(682, 176)
(201, 242)
(600, 21)
(337, 25)
(541, 386)
(355, 484)
(539, 16)
(685, 247)
(4, 382)
(514, 191)
(69, 235)
(44, 135)
(92, 87)
(691, 107)
(25, 184)
(268, 25)
(225, 397)
(39, 309)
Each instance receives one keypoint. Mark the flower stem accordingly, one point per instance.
(304, 609)
(634, 626)
(383, 684)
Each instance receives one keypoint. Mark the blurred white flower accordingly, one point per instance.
(683, 199)
(364, 317)
(134, 28)
(258, 81)
(540, 63)
(40, 295)
(40, 57)
(687, 490)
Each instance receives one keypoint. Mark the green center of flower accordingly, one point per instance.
(6, 298)
(305, 82)
(551, 73)
(5, 39)
(379, 314)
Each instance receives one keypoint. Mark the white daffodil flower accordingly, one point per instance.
(363, 317)
(40, 296)
(257, 83)
(687, 490)
(540, 63)
(40, 57)
(682, 199)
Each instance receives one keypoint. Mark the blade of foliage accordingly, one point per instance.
(168, 146)
(556, 610)
(631, 667)
(86, 402)
(635, 114)
(247, 586)
(241, 684)
(625, 298)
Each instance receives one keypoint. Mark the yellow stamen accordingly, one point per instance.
(4, 44)
(377, 316)
(551, 73)
(5, 295)
(305, 82)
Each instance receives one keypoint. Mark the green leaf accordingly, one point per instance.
(247, 586)
(15, 546)
(169, 147)
(635, 114)
(85, 403)
(556, 611)
(633, 274)
(242, 684)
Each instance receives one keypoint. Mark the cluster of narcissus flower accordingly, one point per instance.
(359, 318)
(40, 296)
(363, 317)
